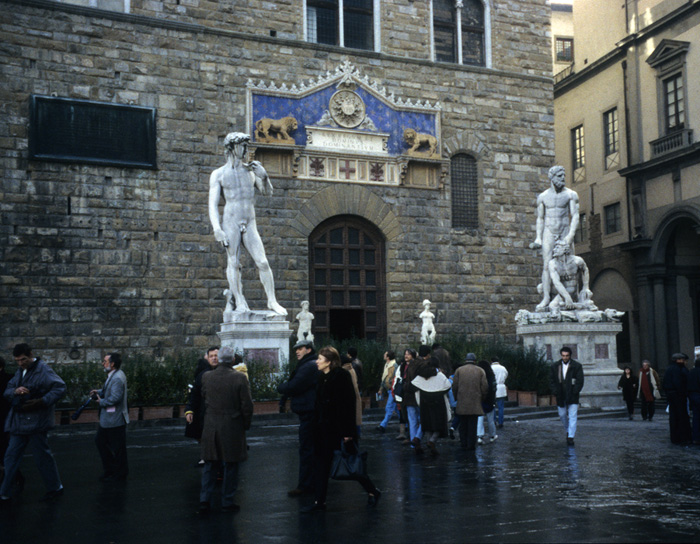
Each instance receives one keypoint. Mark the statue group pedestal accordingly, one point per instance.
(263, 335)
(593, 345)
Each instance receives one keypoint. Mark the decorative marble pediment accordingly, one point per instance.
(667, 51)
(343, 126)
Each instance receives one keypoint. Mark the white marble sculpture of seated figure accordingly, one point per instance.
(305, 317)
(238, 180)
(427, 332)
(569, 277)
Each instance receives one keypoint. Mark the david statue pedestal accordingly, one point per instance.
(263, 335)
(566, 315)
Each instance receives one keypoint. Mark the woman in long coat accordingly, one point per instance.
(434, 405)
(334, 423)
(628, 383)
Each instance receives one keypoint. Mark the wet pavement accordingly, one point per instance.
(622, 482)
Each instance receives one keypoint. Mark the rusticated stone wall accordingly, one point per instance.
(103, 257)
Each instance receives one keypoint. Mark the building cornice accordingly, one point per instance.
(620, 51)
(667, 162)
(195, 28)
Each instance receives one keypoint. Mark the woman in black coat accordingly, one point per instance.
(334, 423)
(628, 383)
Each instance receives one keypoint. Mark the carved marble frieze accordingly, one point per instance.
(344, 127)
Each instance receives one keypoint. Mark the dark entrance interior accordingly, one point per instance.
(346, 279)
(346, 324)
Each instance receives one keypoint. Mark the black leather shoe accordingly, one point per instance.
(53, 495)
(297, 492)
(231, 508)
(315, 507)
(204, 509)
(570, 441)
(373, 499)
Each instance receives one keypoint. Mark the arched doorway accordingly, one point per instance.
(347, 278)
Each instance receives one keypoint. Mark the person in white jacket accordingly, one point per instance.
(501, 391)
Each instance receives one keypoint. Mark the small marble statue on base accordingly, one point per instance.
(305, 317)
(238, 180)
(427, 331)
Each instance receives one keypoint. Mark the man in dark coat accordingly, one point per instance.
(694, 397)
(33, 391)
(229, 412)
(194, 411)
(676, 386)
(301, 387)
(566, 381)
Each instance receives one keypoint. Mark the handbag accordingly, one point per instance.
(398, 390)
(348, 465)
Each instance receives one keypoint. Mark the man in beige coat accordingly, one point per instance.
(228, 414)
(469, 387)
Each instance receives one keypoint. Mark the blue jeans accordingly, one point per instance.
(230, 483)
(500, 405)
(414, 422)
(568, 415)
(42, 455)
(390, 409)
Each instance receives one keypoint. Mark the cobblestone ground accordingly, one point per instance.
(623, 482)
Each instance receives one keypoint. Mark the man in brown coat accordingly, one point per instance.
(229, 411)
(469, 387)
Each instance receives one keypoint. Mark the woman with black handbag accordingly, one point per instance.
(334, 426)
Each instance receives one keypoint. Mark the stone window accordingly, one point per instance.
(613, 218)
(669, 61)
(347, 23)
(459, 31)
(582, 230)
(465, 192)
(611, 136)
(564, 49)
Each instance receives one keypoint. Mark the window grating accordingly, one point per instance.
(465, 197)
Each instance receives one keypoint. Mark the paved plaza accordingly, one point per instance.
(623, 482)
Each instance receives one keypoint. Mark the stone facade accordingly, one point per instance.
(95, 257)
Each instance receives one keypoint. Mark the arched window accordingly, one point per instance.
(459, 31)
(465, 192)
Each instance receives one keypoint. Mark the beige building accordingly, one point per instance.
(625, 114)
(406, 142)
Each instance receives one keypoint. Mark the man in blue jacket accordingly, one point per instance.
(114, 416)
(301, 387)
(32, 392)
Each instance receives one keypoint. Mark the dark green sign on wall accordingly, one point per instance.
(83, 131)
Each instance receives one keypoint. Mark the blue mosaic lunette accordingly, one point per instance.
(308, 110)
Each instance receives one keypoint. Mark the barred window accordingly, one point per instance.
(578, 154)
(465, 194)
(564, 49)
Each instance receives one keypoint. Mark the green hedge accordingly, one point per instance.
(157, 382)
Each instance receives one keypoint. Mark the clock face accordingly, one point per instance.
(347, 109)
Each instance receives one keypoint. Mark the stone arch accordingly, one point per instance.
(666, 230)
(614, 290)
(344, 199)
(466, 142)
